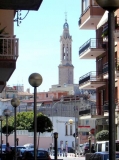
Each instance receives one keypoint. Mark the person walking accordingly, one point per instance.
(9, 155)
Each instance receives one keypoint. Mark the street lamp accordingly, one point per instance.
(1, 119)
(7, 113)
(35, 80)
(71, 122)
(61, 100)
(111, 6)
(15, 103)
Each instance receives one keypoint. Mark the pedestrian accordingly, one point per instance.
(9, 154)
(92, 149)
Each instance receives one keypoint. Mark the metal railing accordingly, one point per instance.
(92, 43)
(106, 105)
(91, 76)
(8, 47)
(105, 66)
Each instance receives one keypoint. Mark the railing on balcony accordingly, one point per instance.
(91, 76)
(106, 105)
(84, 111)
(92, 43)
(105, 66)
(8, 47)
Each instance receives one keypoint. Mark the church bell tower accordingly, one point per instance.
(66, 68)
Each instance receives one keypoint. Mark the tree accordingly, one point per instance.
(44, 124)
(102, 135)
(10, 130)
(24, 120)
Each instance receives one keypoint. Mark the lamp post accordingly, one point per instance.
(111, 6)
(1, 119)
(15, 103)
(7, 113)
(35, 80)
(61, 100)
(55, 144)
(71, 122)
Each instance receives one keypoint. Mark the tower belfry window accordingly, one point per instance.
(67, 49)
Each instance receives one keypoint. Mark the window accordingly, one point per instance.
(106, 146)
(100, 147)
(66, 129)
(46, 94)
(70, 129)
(85, 4)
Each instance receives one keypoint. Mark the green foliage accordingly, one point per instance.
(105, 33)
(102, 135)
(44, 124)
(24, 120)
(10, 130)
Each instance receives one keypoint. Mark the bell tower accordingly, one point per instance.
(66, 68)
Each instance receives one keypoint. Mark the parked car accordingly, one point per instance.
(29, 145)
(3, 147)
(29, 153)
(85, 148)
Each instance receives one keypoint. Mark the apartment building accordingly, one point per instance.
(9, 43)
(93, 17)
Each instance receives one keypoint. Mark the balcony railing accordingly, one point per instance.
(84, 111)
(105, 66)
(92, 43)
(8, 47)
(106, 105)
(91, 76)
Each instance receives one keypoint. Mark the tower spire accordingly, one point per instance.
(65, 17)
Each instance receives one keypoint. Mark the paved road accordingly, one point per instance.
(70, 158)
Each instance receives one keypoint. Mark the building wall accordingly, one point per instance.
(6, 20)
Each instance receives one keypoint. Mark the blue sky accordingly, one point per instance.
(39, 46)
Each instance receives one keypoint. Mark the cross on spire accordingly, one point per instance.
(65, 16)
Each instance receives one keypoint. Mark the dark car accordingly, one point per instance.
(29, 154)
(85, 148)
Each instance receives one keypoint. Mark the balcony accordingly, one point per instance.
(20, 4)
(91, 80)
(90, 17)
(92, 49)
(105, 33)
(106, 106)
(105, 70)
(8, 57)
(84, 111)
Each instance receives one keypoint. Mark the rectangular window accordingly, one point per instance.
(85, 4)
(66, 129)
(46, 94)
(100, 147)
(71, 129)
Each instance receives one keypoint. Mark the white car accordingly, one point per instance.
(29, 145)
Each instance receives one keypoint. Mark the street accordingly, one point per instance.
(69, 158)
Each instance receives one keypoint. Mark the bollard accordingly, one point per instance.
(55, 144)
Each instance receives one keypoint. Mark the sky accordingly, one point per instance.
(39, 46)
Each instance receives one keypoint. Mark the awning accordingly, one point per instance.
(103, 20)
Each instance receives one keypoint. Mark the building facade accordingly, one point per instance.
(93, 17)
